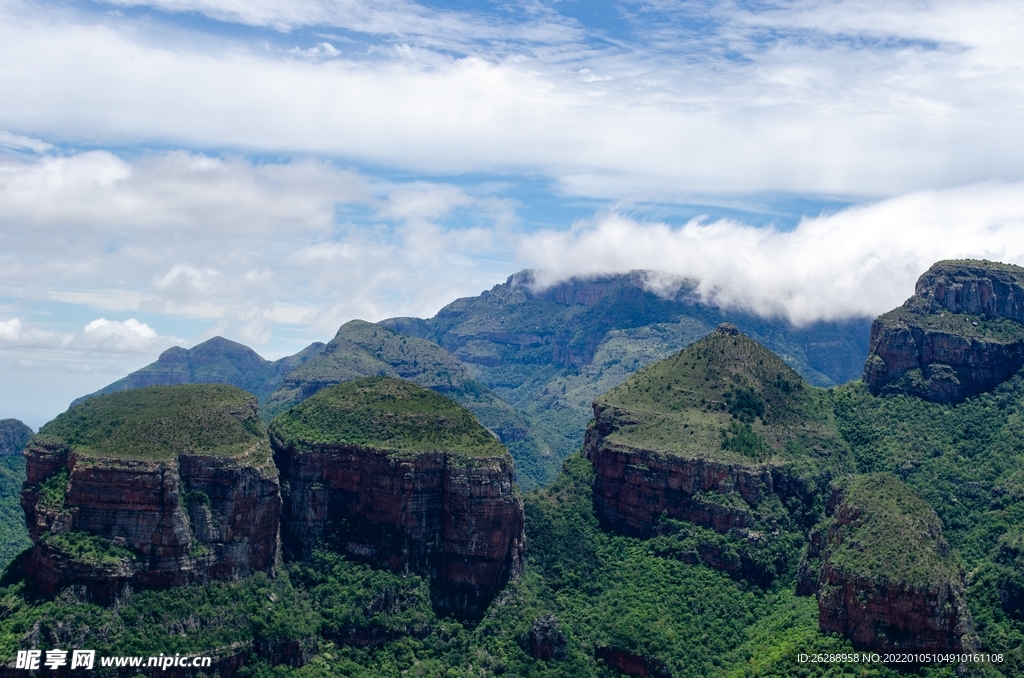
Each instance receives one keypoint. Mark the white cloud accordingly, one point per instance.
(20, 143)
(99, 336)
(846, 98)
(129, 336)
(860, 261)
(15, 334)
(245, 245)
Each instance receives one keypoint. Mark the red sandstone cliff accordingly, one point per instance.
(459, 524)
(110, 524)
(961, 333)
(884, 575)
(634, 486)
(192, 519)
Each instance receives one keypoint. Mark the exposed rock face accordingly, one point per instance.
(111, 519)
(634, 487)
(632, 664)
(885, 576)
(961, 334)
(547, 639)
(453, 515)
(14, 435)
(684, 438)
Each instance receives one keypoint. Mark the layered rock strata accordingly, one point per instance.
(707, 436)
(397, 475)
(158, 487)
(961, 334)
(884, 575)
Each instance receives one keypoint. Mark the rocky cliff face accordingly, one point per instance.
(961, 334)
(884, 575)
(14, 435)
(633, 488)
(414, 487)
(192, 495)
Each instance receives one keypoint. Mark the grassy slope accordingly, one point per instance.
(998, 330)
(159, 423)
(728, 397)
(895, 535)
(365, 349)
(964, 460)
(388, 414)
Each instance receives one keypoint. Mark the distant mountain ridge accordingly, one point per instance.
(550, 352)
(215, 361)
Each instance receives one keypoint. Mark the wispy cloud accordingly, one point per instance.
(854, 99)
(861, 261)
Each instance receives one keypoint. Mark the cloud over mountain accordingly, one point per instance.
(862, 260)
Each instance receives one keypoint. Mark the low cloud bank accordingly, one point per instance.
(99, 336)
(860, 261)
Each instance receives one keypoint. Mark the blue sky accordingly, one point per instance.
(175, 169)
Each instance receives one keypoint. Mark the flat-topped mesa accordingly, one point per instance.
(400, 476)
(152, 487)
(885, 577)
(708, 436)
(961, 334)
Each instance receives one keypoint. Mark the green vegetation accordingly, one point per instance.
(53, 490)
(213, 619)
(159, 423)
(362, 349)
(388, 414)
(606, 590)
(88, 548)
(13, 533)
(14, 435)
(551, 352)
(214, 361)
(728, 397)
(965, 461)
(919, 463)
(892, 535)
(998, 330)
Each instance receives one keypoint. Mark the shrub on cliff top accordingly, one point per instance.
(384, 413)
(891, 534)
(727, 387)
(160, 422)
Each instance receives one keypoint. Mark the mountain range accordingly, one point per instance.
(721, 515)
(527, 361)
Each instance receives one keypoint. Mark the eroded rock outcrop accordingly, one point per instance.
(884, 575)
(14, 435)
(961, 334)
(151, 488)
(708, 436)
(395, 474)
